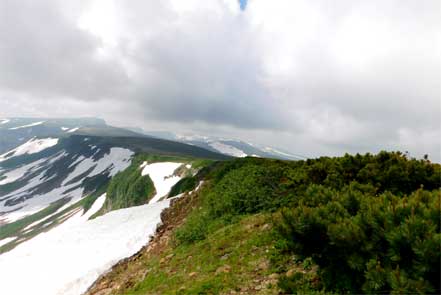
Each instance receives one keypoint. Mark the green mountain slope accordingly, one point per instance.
(355, 224)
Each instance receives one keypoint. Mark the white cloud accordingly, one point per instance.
(338, 76)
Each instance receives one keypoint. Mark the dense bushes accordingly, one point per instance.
(129, 188)
(186, 184)
(392, 172)
(248, 189)
(370, 222)
(366, 243)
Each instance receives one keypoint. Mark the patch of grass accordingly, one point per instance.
(234, 257)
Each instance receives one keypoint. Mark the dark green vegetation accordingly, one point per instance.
(129, 188)
(184, 185)
(364, 223)
(366, 243)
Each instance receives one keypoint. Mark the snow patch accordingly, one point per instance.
(18, 173)
(162, 177)
(73, 130)
(27, 126)
(116, 160)
(70, 257)
(6, 240)
(97, 205)
(273, 150)
(227, 149)
(30, 147)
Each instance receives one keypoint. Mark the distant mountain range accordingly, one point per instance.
(231, 147)
(15, 131)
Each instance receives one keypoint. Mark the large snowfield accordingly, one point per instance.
(69, 258)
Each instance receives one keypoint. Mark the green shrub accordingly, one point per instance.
(365, 220)
(186, 184)
(194, 229)
(249, 189)
(129, 188)
(367, 243)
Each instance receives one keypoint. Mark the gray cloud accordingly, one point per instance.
(45, 54)
(317, 78)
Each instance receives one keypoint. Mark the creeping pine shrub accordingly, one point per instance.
(370, 222)
(129, 188)
(194, 229)
(249, 189)
(186, 184)
(365, 243)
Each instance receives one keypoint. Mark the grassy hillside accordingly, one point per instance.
(355, 224)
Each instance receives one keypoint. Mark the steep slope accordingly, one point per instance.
(66, 205)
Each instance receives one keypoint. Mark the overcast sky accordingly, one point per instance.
(314, 77)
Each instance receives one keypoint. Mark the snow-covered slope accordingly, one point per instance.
(69, 258)
(32, 146)
(40, 172)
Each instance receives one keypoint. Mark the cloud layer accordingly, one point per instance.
(315, 77)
